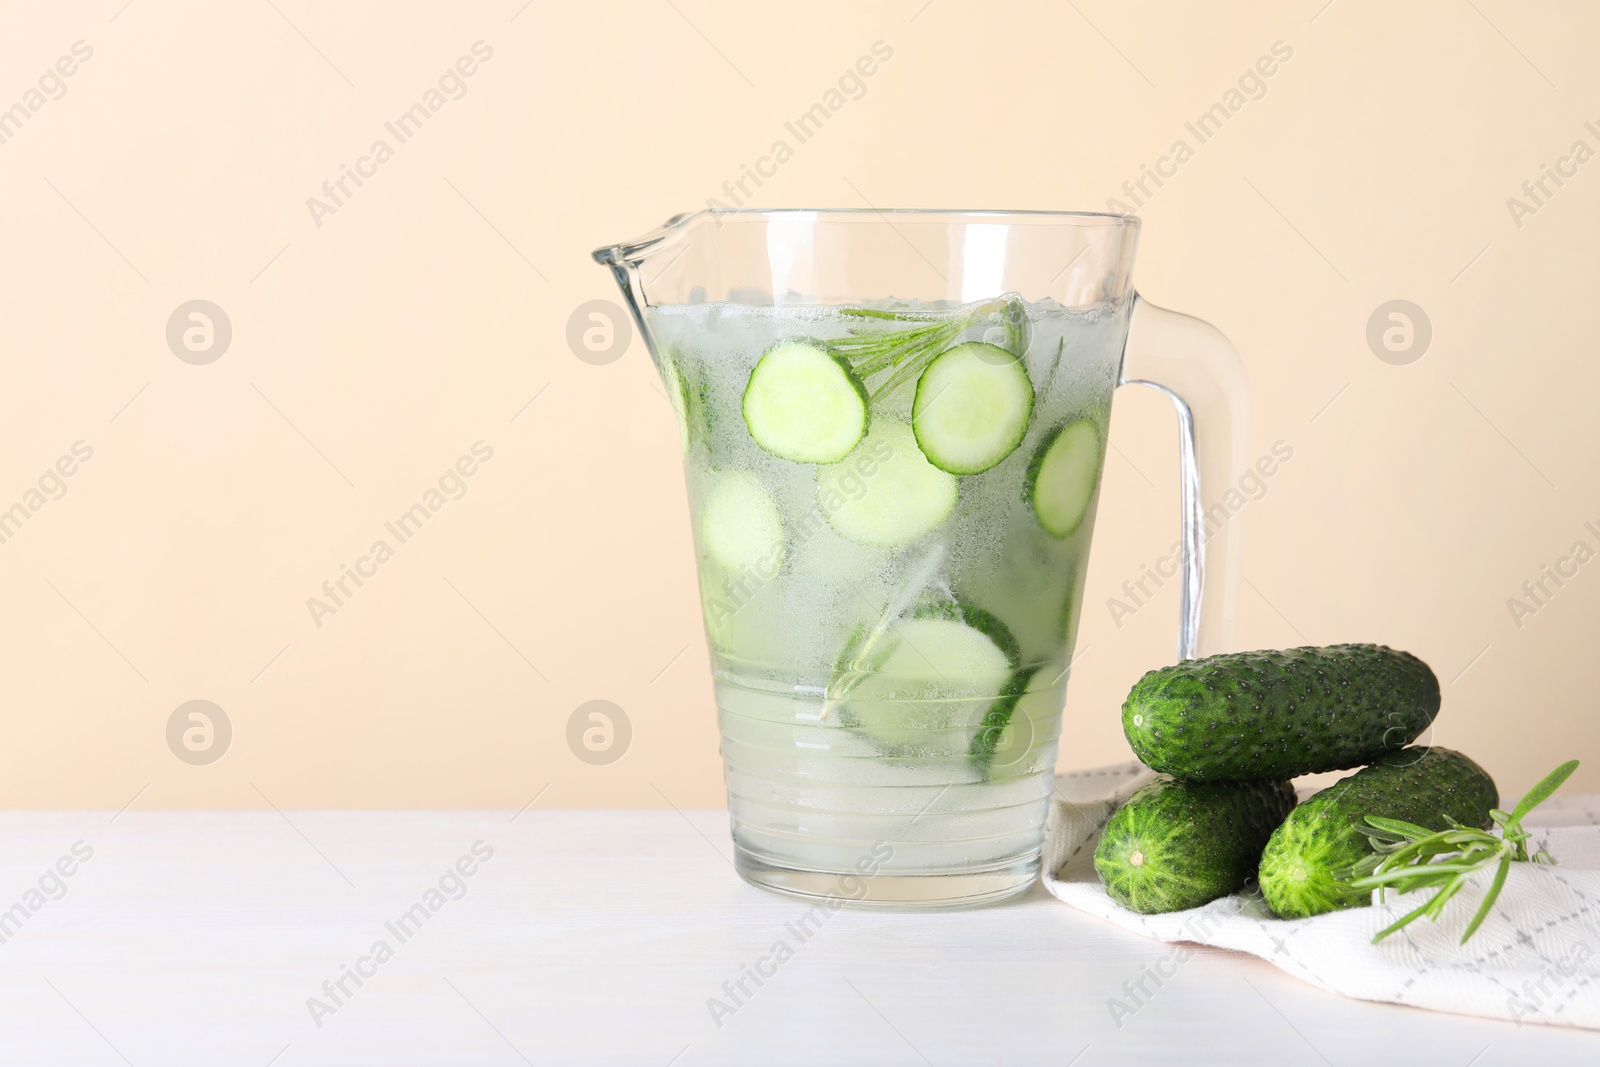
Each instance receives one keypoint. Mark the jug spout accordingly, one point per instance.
(639, 249)
(626, 262)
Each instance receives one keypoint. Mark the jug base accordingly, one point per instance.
(883, 890)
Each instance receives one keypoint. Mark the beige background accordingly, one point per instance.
(372, 351)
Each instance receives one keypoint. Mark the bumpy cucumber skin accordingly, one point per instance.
(1195, 841)
(1279, 714)
(1304, 862)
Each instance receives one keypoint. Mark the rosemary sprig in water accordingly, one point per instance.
(1407, 857)
(909, 350)
(880, 350)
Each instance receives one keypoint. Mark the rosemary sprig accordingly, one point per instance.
(909, 350)
(856, 665)
(1407, 857)
(877, 350)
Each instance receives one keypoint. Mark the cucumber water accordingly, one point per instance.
(890, 574)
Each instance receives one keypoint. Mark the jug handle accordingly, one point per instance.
(1195, 366)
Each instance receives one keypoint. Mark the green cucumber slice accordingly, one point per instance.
(1029, 722)
(972, 407)
(957, 610)
(1062, 476)
(740, 526)
(805, 405)
(678, 395)
(886, 493)
(936, 672)
(997, 736)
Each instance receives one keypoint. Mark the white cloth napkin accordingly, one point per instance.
(1535, 959)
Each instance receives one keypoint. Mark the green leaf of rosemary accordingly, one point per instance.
(907, 352)
(1406, 857)
(1488, 898)
(1396, 826)
(1541, 792)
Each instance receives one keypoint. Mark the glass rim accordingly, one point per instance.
(1109, 216)
(616, 255)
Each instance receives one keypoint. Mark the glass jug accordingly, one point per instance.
(893, 426)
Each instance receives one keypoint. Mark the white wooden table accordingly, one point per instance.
(598, 937)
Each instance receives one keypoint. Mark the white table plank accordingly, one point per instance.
(598, 937)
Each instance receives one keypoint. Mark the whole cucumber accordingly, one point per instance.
(1177, 845)
(1305, 863)
(1279, 714)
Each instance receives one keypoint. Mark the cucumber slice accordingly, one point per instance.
(972, 407)
(998, 730)
(741, 528)
(886, 493)
(678, 395)
(1062, 477)
(984, 622)
(805, 405)
(1026, 743)
(934, 673)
